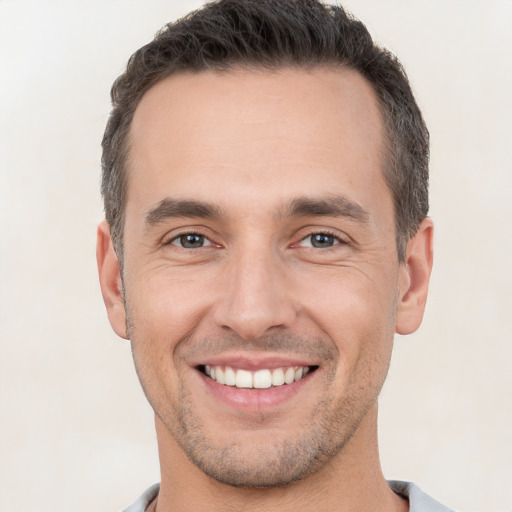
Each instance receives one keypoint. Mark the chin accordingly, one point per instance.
(275, 465)
(261, 457)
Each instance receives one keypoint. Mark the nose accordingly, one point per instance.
(256, 297)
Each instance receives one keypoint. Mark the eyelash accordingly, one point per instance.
(189, 233)
(337, 239)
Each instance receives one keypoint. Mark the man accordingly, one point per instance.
(265, 181)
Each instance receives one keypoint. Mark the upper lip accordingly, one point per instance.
(254, 362)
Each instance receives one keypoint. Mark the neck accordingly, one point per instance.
(351, 481)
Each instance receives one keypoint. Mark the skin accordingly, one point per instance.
(251, 145)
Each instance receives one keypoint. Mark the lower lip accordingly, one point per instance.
(255, 399)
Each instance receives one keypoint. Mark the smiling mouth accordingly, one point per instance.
(260, 379)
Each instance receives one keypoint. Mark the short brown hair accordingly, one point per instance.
(274, 34)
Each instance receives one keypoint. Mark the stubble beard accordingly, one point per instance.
(278, 461)
(273, 464)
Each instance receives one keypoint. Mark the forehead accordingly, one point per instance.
(260, 132)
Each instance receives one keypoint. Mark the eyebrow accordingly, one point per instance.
(333, 206)
(172, 208)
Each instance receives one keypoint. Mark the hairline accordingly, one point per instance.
(388, 147)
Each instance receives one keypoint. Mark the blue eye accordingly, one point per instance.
(320, 241)
(191, 241)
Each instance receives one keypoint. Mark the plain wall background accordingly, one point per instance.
(76, 432)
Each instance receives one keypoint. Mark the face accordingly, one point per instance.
(261, 277)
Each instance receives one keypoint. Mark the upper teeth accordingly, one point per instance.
(260, 379)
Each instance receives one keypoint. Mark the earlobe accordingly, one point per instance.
(414, 279)
(110, 280)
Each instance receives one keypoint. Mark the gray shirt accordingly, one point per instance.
(418, 500)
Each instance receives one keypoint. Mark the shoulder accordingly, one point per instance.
(144, 499)
(418, 500)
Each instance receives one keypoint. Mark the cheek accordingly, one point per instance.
(162, 312)
(167, 305)
(359, 319)
(355, 311)
(350, 292)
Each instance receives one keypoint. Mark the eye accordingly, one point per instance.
(320, 241)
(191, 241)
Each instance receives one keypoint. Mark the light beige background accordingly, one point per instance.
(76, 431)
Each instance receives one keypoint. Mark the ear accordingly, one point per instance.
(110, 280)
(414, 279)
